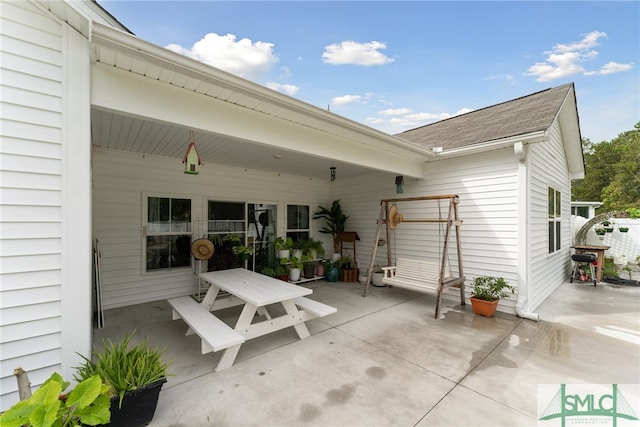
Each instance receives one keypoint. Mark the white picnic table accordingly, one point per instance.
(255, 292)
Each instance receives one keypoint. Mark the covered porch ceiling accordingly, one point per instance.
(145, 99)
(143, 136)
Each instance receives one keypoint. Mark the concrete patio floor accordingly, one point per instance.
(384, 360)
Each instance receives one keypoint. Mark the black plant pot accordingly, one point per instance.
(309, 272)
(138, 406)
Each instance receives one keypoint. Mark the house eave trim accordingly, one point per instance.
(108, 37)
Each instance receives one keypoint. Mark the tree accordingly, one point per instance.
(612, 172)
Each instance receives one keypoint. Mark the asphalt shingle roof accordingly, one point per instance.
(521, 116)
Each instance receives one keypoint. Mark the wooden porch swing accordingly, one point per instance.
(415, 274)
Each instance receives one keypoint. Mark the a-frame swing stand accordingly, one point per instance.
(421, 275)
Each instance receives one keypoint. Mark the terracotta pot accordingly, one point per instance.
(483, 308)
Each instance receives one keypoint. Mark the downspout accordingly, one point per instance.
(523, 233)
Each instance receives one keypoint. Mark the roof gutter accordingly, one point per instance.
(106, 36)
(497, 144)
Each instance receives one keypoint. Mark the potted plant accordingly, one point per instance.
(320, 268)
(600, 231)
(623, 229)
(608, 226)
(134, 373)
(243, 252)
(282, 271)
(294, 267)
(486, 292)
(332, 271)
(376, 277)
(308, 266)
(297, 247)
(87, 404)
(268, 271)
(349, 272)
(314, 248)
(334, 222)
(283, 246)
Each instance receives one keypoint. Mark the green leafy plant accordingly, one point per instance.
(281, 269)
(344, 262)
(87, 404)
(314, 245)
(244, 252)
(282, 244)
(633, 212)
(307, 261)
(600, 231)
(298, 244)
(334, 221)
(609, 269)
(123, 367)
(293, 262)
(490, 288)
(268, 271)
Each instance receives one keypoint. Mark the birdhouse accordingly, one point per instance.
(191, 160)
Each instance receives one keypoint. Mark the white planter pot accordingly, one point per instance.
(294, 274)
(297, 253)
(376, 280)
(283, 253)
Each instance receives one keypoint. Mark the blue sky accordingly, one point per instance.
(399, 65)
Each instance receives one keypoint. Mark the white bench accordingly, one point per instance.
(215, 335)
(422, 276)
(314, 307)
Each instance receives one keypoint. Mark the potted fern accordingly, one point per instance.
(487, 291)
(134, 373)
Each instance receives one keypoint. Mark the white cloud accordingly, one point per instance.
(509, 78)
(463, 111)
(395, 111)
(284, 88)
(610, 68)
(398, 120)
(567, 59)
(346, 99)
(350, 52)
(243, 57)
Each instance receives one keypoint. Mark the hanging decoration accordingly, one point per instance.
(333, 173)
(399, 184)
(191, 158)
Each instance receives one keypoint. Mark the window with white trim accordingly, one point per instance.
(168, 233)
(298, 222)
(554, 202)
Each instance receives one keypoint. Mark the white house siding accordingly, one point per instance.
(35, 57)
(487, 186)
(547, 164)
(120, 181)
